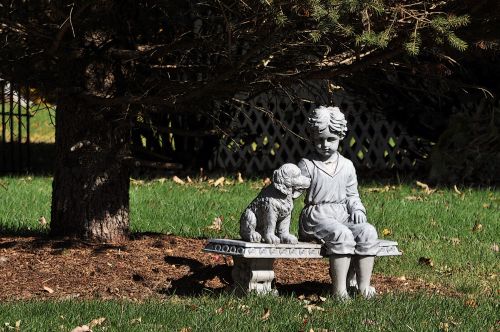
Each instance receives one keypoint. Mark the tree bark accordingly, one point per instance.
(90, 198)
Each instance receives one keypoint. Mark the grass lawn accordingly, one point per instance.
(455, 231)
(229, 313)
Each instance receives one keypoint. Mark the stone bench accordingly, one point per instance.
(253, 262)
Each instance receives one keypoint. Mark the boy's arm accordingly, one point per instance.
(354, 205)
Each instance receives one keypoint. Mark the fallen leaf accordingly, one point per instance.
(444, 326)
(239, 177)
(219, 310)
(402, 278)
(42, 221)
(471, 303)
(380, 190)
(217, 224)
(477, 227)
(97, 322)
(494, 247)
(486, 205)
(456, 190)
(188, 179)
(136, 321)
(3, 259)
(136, 182)
(18, 325)
(244, 308)
(413, 198)
(455, 241)
(425, 261)
(178, 180)
(83, 328)
(266, 315)
(48, 289)
(266, 181)
(311, 307)
(219, 182)
(386, 232)
(186, 329)
(425, 188)
(162, 180)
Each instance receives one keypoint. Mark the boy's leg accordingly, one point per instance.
(364, 268)
(339, 266)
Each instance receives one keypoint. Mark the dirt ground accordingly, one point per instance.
(148, 266)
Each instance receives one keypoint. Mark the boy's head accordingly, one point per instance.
(329, 119)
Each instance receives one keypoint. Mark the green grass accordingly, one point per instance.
(229, 313)
(438, 226)
(42, 129)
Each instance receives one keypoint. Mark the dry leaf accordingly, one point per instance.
(425, 188)
(477, 227)
(186, 329)
(380, 190)
(402, 278)
(471, 303)
(311, 307)
(217, 224)
(189, 180)
(97, 322)
(413, 198)
(178, 180)
(136, 321)
(244, 308)
(219, 182)
(386, 232)
(162, 180)
(42, 221)
(456, 190)
(455, 241)
(444, 326)
(48, 289)
(83, 328)
(219, 310)
(266, 181)
(486, 205)
(494, 247)
(425, 261)
(136, 182)
(239, 178)
(18, 325)
(266, 315)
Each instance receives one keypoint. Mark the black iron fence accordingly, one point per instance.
(15, 154)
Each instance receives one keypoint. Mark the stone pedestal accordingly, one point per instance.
(253, 262)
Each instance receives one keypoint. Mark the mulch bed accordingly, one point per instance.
(149, 266)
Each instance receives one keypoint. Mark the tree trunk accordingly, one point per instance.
(90, 198)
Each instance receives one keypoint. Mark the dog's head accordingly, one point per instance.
(288, 180)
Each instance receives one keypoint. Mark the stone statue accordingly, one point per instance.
(267, 218)
(333, 213)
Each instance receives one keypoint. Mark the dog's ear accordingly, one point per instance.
(279, 182)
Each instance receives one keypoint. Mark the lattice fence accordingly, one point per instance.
(271, 131)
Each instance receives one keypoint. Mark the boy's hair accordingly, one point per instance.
(324, 117)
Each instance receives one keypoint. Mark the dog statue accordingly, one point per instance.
(267, 218)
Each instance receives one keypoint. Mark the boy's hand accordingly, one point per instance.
(358, 217)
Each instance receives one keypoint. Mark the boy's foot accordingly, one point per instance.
(368, 292)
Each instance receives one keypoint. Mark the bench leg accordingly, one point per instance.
(254, 274)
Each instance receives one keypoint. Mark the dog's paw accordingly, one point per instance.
(255, 237)
(271, 238)
(289, 238)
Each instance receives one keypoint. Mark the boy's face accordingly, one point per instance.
(326, 143)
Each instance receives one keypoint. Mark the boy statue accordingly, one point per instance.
(333, 213)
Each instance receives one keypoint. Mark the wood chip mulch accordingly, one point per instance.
(149, 266)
